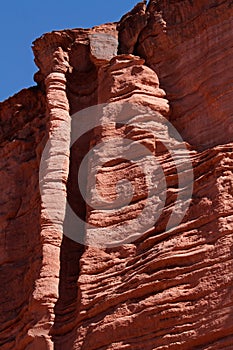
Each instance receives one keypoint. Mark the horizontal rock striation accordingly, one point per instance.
(162, 280)
(169, 290)
(189, 47)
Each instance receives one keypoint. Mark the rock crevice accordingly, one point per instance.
(171, 286)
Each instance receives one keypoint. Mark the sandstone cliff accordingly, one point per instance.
(171, 286)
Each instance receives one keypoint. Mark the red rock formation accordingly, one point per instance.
(23, 129)
(189, 47)
(172, 287)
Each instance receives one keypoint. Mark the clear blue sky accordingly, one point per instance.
(22, 21)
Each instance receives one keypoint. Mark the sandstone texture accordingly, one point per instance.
(162, 282)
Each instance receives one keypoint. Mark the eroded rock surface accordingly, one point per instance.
(166, 288)
(189, 46)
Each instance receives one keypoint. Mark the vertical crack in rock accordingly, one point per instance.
(165, 289)
(179, 45)
(73, 73)
(189, 47)
(130, 26)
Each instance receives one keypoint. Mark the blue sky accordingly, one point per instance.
(21, 22)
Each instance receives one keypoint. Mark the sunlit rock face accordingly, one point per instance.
(154, 95)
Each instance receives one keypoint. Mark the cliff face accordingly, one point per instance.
(164, 281)
(188, 45)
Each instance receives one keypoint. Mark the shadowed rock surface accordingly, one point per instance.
(168, 289)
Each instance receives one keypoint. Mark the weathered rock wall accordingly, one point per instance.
(169, 289)
(23, 134)
(188, 45)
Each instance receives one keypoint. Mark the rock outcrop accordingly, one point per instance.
(188, 45)
(164, 281)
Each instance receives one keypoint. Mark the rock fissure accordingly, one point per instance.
(170, 285)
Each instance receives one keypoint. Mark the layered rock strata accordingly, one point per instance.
(189, 47)
(171, 286)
